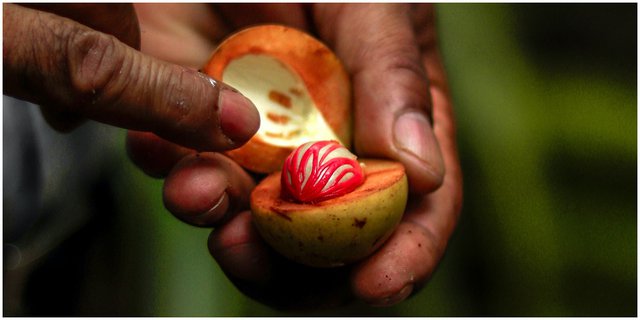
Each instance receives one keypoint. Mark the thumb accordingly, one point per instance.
(54, 61)
(391, 88)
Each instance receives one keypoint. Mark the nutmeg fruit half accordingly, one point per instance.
(300, 214)
(298, 85)
(320, 206)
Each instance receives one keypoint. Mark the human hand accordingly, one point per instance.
(391, 53)
(79, 61)
(397, 43)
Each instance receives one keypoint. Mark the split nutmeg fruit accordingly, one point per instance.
(299, 86)
(320, 205)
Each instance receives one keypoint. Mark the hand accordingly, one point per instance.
(398, 78)
(79, 61)
(397, 43)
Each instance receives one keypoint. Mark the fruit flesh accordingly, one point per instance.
(337, 231)
(288, 116)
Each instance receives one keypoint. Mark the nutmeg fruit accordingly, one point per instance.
(320, 205)
(298, 85)
(333, 231)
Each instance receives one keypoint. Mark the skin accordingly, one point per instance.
(394, 42)
(74, 72)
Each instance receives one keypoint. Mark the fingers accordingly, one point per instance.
(439, 212)
(206, 189)
(448, 202)
(271, 279)
(99, 17)
(51, 60)
(389, 276)
(412, 254)
(391, 88)
(409, 258)
(181, 33)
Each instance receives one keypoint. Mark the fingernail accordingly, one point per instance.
(413, 134)
(239, 118)
(215, 214)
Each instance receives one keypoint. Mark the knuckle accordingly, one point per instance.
(412, 78)
(408, 63)
(398, 59)
(185, 97)
(95, 61)
(175, 101)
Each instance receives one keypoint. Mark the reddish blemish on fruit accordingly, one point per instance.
(274, 134)
(359, 223)
(296, 92)
(282, 135)
(293, 133)
(318, 171)
(277, 118)
(280, 98)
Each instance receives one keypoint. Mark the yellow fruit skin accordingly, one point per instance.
(337, 231)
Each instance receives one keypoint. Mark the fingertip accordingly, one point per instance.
(423, 178)
(419, 150)
(393, 298)
(239, 118)
(389, 276)
(195, 191)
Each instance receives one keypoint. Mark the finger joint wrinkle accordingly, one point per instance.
(95, 60)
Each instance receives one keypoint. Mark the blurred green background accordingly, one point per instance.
(546, 105)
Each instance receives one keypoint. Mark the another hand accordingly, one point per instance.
(398, 79)
(79, 61)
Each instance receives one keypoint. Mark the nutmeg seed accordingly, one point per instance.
(320, 170)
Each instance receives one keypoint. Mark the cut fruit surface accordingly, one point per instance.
(288, 115)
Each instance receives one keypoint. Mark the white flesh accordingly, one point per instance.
(256, 76)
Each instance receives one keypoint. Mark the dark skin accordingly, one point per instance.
(74, 72)
(402, 112)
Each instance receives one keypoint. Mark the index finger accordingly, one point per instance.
(55, 61)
